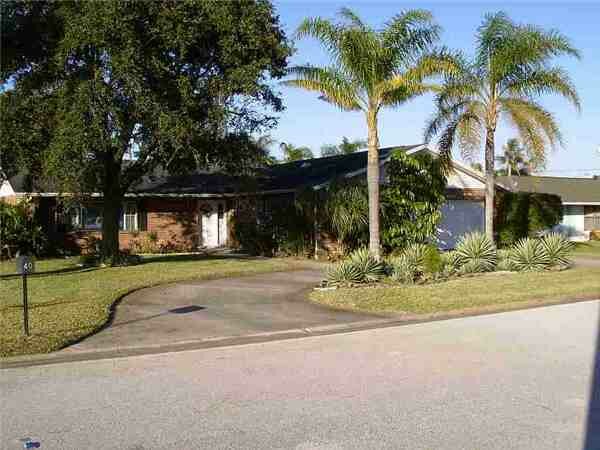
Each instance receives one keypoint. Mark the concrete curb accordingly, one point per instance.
(70, 355)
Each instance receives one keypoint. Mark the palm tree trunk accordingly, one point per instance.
(489, 183)
(373, 184)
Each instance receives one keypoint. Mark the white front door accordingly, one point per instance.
(213, 223)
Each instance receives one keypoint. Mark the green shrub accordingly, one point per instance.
(475, 252)
(504, 261)
(528, 255)
(523, 214)
(557, 249)
(344, 272)
(254, 238)
(411, 200)
(19, 230)
(449, 263)
(403, 269)
(415, 262)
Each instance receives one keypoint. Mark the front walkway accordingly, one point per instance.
(203, 310)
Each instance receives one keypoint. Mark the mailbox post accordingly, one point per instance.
(25, 266)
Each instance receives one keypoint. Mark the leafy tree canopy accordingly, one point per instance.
(410, 204)
(178, 84)
(343, 148)
(293, 153)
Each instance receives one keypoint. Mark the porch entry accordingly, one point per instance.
(213, 223)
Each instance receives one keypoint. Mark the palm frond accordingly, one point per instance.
(536, 126)
(327, 33)
(410, 33)
(543, 81)
(330, 83)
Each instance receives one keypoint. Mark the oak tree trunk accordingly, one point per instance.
(373, 184)
(111, 207)
(489, 183)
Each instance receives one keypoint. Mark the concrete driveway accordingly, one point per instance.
(203, 310)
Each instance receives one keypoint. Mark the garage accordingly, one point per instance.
(460, 217)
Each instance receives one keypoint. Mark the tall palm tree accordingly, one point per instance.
(513, 158)
(511, 68)
(371, 69)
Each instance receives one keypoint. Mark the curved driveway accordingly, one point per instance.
(203, 310)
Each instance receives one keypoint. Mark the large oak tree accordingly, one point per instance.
(176, 84)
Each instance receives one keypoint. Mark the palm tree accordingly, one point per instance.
(293, 153)
(371, 69)
(514, 158)
(511, 69)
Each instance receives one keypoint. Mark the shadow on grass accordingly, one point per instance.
(197, 257)
(64, 270)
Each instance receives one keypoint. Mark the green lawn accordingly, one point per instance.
(69, 302)
(480, 293)
(588, 249)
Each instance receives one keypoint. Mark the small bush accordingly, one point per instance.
(403, 269)
(475, 252)
(449, 263)
(504, 261)
(528, 255)
(415, 262)
(557, 249)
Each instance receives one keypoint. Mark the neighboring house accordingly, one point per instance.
(194, 211)
(580, 198)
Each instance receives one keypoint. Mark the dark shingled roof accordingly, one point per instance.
(571, 190)
(287, 177)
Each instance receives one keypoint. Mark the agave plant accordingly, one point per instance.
(477, 252)
(403, 269)
(528, 255)
(449, 263)
(557, 248)
(371, 269)
(344, 272)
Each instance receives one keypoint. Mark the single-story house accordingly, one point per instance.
(580, 199)
(193, 211)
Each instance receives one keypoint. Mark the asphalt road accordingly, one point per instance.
(517, 380)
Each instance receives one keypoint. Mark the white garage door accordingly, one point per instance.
(460, 217)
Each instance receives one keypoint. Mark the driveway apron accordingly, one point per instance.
(200, 310)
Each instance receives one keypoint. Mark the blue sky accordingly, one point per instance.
(309, 121)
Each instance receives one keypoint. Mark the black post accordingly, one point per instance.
(25, 306)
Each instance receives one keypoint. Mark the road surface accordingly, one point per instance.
(517, 380)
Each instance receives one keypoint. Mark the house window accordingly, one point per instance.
(129, 217)
(89, 217)
(92, 217)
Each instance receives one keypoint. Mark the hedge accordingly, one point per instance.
(521, 214)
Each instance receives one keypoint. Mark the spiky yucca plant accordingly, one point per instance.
(344, 272)
(528, 255)
(476, 252)
(557, 248)
(371, 269)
